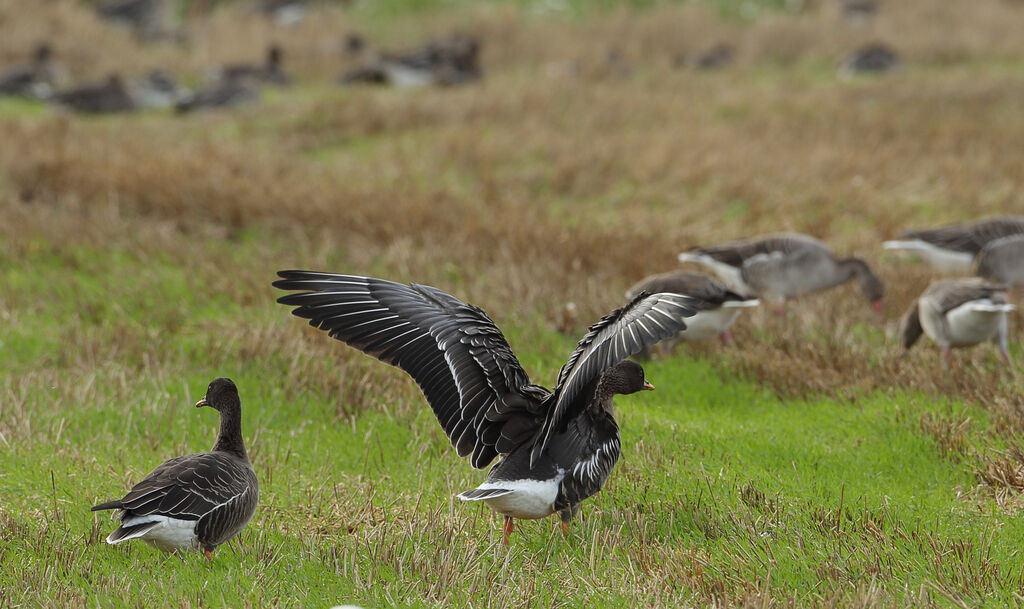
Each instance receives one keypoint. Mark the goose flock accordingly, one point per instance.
(555, 447)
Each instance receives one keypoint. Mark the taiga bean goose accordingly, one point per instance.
(958, 313)
(197, 501)
(717, 306)
(784, 266)
(952, 248)
(1002, 261)
(557, 447)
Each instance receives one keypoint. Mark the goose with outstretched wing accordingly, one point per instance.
(557, 447)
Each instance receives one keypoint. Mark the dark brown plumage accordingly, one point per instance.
(196, 501)
(557, 447)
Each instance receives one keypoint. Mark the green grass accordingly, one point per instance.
(723, 488)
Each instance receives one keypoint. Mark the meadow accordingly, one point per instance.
(805, 466)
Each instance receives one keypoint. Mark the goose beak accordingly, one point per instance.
(202, 402)
(877, 306)
(648, 386)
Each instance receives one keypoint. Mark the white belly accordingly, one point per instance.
(945, 261)
(968, 324)
(528, 499)
(169, 535)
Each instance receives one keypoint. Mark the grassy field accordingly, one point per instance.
(805, 467)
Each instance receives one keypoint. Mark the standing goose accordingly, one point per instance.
(951, 249)
(958, 313)
(717, 306)
(557, 447)
(784, 266)
(1002, 261)
(35, 80)
(197, 501)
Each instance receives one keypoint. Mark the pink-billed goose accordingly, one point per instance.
(197, 501)
(717, 306)
(784, 266)
(557, 447)
(952, 248)
(958, 313)
(1002, 261)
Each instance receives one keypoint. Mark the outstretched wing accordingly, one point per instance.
(477, 388)
(647, 319)
(186, 487)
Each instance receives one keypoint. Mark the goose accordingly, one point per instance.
(1002, 261)
(446, 62)
(951, 249)
(958, 313)
(144, 17)
(270, 72)
(784, 266)
(198, 501)
(871, 59)
(220, 94)
(111, 95)
(34, 80)
(557, 447)
(717, 306)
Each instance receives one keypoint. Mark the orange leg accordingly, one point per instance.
(507, 530)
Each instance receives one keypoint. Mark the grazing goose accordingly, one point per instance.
(34, 80)
(446, 62)
(951, 249)
(197, 501)
(111, 95)
(784, 266)
(557, 447)
(717, 306)
(958, 313)
(220, 94)
(871, 59)
(146, 18)
(270, 72)
(1002, 261)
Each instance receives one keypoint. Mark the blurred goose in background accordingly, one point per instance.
(1002, 261)
(199, 501)
(557, 447)
(269, 72)
(284, 12)
(717, 306)
(958, 313)
(146, 18)
(110, 95)
(713, 58)
(450, 61)
(952, 248)
(34, 80)
(871, 59)
(784, 266)
(158, 89)
(219, 94)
